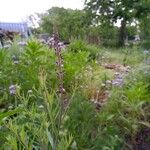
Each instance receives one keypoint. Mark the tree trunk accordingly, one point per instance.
(122, 33)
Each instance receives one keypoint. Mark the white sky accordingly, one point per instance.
(18, 10)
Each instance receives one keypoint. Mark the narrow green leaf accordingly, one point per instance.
(50, 138)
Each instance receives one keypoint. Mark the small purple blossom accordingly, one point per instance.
(118, 81)
(12, 89)
(51, 41)
(58, 46)
(61, 45)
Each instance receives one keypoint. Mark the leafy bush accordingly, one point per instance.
(146, 44)
(79, 45)
(35, 126)
(74, 64)
(126, 113)
(82, 122)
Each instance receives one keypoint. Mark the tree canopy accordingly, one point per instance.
(70, 23)
(97, 22)
(110, 11)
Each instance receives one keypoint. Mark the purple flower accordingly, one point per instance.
(117, 82)
(51, 41)
(12, 89)
(61, 45)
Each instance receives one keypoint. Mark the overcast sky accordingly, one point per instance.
(18, 10)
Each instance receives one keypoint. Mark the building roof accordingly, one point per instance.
(16, 27)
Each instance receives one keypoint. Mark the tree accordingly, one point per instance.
(110, 11)
(145, 31)
(145, 27)
(69, 23)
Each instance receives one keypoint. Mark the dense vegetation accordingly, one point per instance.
(108, 22)
(102, 112)
(92, 94)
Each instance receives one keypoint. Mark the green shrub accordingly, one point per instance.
(35, 126)
(125, 113)
(82, 122)
(146, 44)
(79, 45)
(34, 119)
(74, 64)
